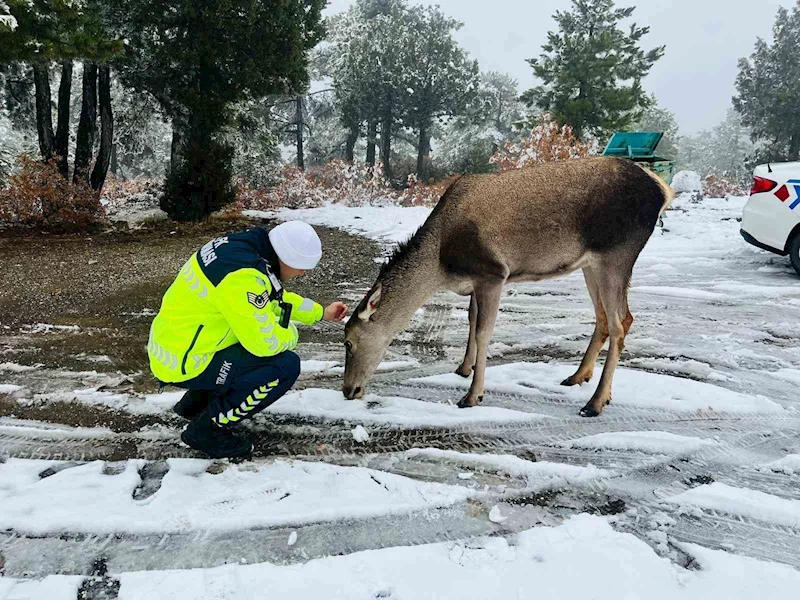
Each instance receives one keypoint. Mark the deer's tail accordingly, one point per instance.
(668, 192)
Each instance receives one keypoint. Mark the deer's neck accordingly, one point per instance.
(410, 283)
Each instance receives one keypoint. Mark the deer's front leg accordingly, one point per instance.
(468, 364)
(487, 297)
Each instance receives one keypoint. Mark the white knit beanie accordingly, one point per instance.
(296, 244)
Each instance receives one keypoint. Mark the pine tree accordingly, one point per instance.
(53, 32)
(768, 86)
(730, 150)
(367, 64)
(393, 67)
(440, 78)
(592, 70)
(341, 59)
(691, 149)
(142, 139)
(326, 136)
(466, 143)
(255, 131)
(198, 58)
(497, 102)
(724, 152)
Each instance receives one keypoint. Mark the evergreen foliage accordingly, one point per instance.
(592, 69)
(768, 90)
(200, 57)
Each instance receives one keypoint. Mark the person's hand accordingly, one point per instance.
(336, 311)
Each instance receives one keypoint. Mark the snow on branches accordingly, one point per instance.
(340, 182)
(352, 184)
(6, 18)
(547, 142)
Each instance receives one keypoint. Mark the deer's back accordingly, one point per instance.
(542, 220)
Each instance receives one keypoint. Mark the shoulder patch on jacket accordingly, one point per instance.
(258, 300)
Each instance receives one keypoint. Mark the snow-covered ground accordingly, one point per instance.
(690, 476)
(92, 499)
(383, 223)
(631, 388)
(584, 557)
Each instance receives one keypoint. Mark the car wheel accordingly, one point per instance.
(794, 252)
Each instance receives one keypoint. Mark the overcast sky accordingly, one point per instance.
(695, 79)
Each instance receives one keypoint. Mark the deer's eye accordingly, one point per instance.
(348, 346)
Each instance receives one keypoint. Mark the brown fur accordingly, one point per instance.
(523, 225)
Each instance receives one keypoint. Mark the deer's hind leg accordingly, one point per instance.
(613, 280)
(599, 337)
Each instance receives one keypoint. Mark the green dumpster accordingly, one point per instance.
(640, 147)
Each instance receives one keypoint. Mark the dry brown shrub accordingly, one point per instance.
(547, 142)
(337, 181)
(116, 190)
(38, 197)
(719, 187)
(418, 194)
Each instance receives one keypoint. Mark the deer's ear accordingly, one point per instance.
(372, 304)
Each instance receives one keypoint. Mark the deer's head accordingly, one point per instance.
(367, 335)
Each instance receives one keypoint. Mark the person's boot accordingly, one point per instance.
(218, 442)
(192, 403)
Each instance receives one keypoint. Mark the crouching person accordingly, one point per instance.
(226, 330)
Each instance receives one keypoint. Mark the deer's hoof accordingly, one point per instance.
(576, 380)
(590, 411)
(468, 401)
(464, 371)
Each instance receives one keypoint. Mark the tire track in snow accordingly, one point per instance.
(33, 442)
(76, 553)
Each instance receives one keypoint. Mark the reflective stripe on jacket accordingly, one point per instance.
(225, 294)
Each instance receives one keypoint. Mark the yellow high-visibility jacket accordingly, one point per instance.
(228, 292)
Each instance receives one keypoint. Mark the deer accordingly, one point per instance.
(524, 225)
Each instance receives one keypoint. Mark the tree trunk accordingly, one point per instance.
(176, 149)
(498, 118)
(423, 151)
(84, 145)
(106, 129)
(386, 143)
(114, 166)
(62, 128)
(794, 148)
(298, 120)
(350, 144)
(372, 136)
(44, 117)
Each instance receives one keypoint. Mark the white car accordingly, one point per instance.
(771, 218)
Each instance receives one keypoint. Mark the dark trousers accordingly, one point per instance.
(242, 384)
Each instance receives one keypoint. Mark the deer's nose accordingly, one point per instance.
(350, 392)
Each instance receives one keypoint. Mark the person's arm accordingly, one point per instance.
(304, 310)
(242, 298)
